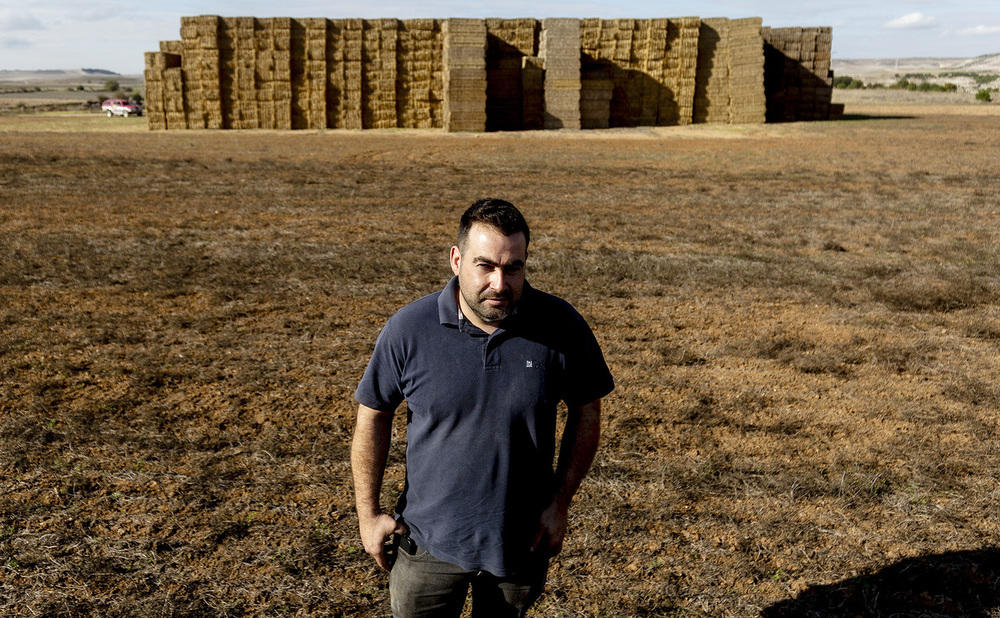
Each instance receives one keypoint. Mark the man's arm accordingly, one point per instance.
(369, 452)
(576, 453)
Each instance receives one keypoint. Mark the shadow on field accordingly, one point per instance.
(873, 117)
(955, 584)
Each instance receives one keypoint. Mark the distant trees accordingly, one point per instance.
(847, 82)
(111, 85)
(902, 83)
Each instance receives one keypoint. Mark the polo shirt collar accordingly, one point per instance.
(448, 310)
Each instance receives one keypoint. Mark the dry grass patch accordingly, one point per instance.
(800, 320)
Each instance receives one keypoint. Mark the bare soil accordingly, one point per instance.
(802, 320)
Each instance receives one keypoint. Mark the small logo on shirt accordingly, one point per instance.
(528, 364)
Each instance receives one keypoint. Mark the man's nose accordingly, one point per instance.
(499, 281)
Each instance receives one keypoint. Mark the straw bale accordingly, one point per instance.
(156, 62)
(316, 50)
(350, 120)
(465, 39)
(455, 25)
(470, 57)
(595, 108)
(172, 47)
(419, 24)
(471, 120)
(154, 94)
(175, 120)
(475, 94)
(562, 84)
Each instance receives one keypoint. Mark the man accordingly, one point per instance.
(482, 366)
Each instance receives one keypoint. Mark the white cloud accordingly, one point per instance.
(10, 42)
(15, 22)
(913, 21)
(980, 31)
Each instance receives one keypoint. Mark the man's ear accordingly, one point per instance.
(454, 259)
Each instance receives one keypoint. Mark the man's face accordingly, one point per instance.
(490, 269)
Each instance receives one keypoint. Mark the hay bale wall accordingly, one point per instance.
(378, 93)
(508, 42)
(420, 78)
(712, 86)
(476, 75)
(798, 81)
(651, 64)
(559, 49)
(746, 72)
(464, 58)
(160, 102)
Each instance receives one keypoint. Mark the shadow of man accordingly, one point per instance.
(951, 585)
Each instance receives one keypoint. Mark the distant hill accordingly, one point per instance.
(71, 76)
(864, 67)
(858, 67)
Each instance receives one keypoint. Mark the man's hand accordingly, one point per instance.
(551, 530)
(375, 531)
(576, 453)
(369, 451)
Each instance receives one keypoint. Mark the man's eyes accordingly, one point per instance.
(510, 270)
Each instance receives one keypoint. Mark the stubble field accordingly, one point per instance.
(802, 321)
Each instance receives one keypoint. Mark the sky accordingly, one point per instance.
(113, 34)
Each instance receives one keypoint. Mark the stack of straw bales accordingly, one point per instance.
(158, 104)
(437, 77)
(271, 70)
(532, 93)
(315, 73)
(596, 91)
(464, 57)
(237, 72)
(307, 58)
(799, 83)
(559, 48)
(650, 51)
(712, 85)
(677, 106)
(652, 64)
(350, 74)
(609, 45)
(335, 81)
(746, 72)
(200, 68)
(274, 73)
(420, 80)
(508, 41)
(472, 75)
(378, 96)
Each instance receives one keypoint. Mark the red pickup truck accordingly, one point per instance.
(121, 107)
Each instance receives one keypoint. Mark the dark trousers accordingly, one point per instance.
(420, 585)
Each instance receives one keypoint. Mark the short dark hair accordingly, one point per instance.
(496, 213)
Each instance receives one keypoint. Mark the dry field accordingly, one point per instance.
(47, 91)
(802, 320)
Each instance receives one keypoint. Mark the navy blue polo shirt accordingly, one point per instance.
(481, 419)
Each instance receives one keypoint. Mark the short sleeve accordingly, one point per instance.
(588, 376)
(380, 388)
